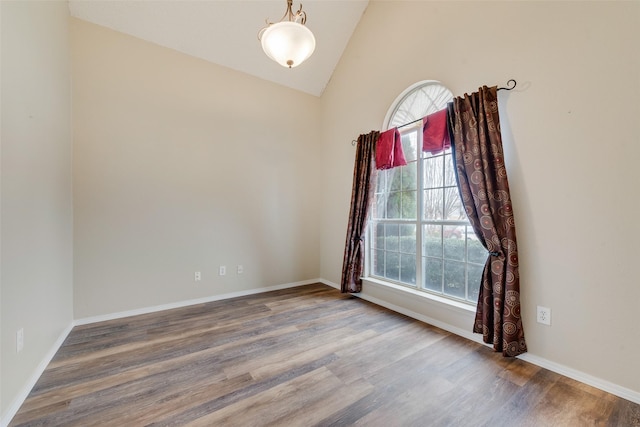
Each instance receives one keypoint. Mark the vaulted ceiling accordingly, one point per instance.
(225, 32)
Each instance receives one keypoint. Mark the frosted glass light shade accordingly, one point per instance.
(288, 43)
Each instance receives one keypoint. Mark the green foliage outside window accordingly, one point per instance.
(443, 262)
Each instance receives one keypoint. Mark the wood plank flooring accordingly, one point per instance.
(304, 356)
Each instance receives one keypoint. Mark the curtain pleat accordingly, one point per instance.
(364, 181)
(474, 126)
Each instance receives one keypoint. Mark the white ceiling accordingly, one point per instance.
(225, 32)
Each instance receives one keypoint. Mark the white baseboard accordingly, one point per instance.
(598, 383)
(607, 386)
(35, 376)
(329, 283)
(180, 304)
(585, 378)
(24, 393)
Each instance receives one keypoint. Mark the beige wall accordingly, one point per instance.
(571, 141)
(37, 221)
(182, 166)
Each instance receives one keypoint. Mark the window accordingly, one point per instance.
(419, 234)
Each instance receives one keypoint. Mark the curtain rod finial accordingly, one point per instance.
(511, 83)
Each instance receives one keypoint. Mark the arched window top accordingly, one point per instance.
(417, 101)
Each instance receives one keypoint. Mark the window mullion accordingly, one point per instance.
(420, 212)
(368, 249)
(444, 191)
(466, 265)
(444, 218)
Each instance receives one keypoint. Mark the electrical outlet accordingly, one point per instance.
(222, 270)
(544, 315)
(19, 340)
(240, 269)
(197, 276)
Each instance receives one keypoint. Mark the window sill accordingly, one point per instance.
(427, 297)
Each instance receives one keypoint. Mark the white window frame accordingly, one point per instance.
(419, 222)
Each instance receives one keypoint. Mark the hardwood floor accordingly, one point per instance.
(300, 357)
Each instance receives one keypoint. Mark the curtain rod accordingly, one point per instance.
(509, 87)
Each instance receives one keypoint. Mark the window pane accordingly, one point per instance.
(378, 207)
(453, 209)
(408, 238)
(449, 171)
(433, 176)
(408, 269)
(475, 251)
(391, 237)
(432, 240)
(474, 276)
(453, 242)
(377, 240)
(409, 204)
(392, 266)
(410, 146)
(378, 263)
(454, 282)
(394, 179)
(394, 205)
(421, 101)
(433, 204)
(409, 175)
(381, 182)
(432, 270)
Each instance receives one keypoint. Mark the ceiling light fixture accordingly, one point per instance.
(289, 42)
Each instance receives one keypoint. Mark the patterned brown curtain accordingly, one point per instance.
(364, 181)
(482, 181)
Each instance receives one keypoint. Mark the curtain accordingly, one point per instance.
(474, 125)
(364, 181)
